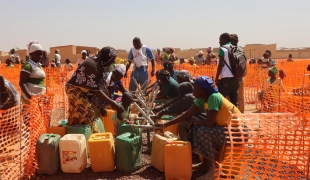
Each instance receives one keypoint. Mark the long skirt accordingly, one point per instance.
(82, 108)
(206, 141)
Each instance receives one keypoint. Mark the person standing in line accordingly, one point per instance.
(44, 60)
(228, 85)
(290, 58)
(140, 54)
(234, 41)
(199, 59)
(165, 55)
(211, 57)
(157, 57)
(15, 57)
(172, 56)
(57, 58)
(82, 58)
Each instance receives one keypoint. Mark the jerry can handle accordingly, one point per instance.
(105, 136)
(178, 142)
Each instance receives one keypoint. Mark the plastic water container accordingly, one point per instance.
(80, 129)
(47, 149)
(100, 125)
(125, 128)
(108, 123)
(101, 151)
(128, 151)
(72, 149)
(173, 128)
(57, 130)
(178, 160)
(158, 147)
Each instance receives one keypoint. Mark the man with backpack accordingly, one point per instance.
(234, 41)
(139, 55)
(231, 68)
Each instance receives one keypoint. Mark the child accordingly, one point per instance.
(68, 65)
(53, 63)
(290, 58)
(119, 117)
(264, 61)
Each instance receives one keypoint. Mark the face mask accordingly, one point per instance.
(109, 68)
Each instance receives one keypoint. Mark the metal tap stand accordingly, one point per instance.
(147, 110)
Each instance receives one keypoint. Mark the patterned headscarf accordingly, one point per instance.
(121, 68)
(163, 74)
(184, 74)
(191, 59)
(274, 70)
(106, 54)
(206, 83)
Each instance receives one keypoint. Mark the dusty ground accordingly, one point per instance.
(146, 172)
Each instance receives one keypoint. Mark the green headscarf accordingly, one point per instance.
(274, 70)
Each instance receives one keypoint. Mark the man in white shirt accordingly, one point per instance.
(57, 58)
(139, 55)
(228, 85)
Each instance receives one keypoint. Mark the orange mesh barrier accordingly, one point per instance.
(267, 146)
(19, 134)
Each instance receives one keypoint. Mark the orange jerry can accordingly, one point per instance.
(178, 160)
(101, 152)
(173, 128)
(158, 147)
(108, 123)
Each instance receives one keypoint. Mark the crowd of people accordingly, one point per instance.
(201, 106)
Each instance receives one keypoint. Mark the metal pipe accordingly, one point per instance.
(152, 102)
(139, 90)
(145, 126)
(143, 114)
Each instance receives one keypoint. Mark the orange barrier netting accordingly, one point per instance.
(19, 134)
(267, 146)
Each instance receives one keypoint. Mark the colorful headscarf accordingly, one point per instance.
(191, 59)
(274, 70)
(206, 83)
(184, 74)
(172, 48)
(106, 54)
(200, 52)
(34, 46)
(121, 68)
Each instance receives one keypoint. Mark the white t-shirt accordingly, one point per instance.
(225, 70)
(57, 58)
(80, 60)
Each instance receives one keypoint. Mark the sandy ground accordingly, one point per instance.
(146, 172)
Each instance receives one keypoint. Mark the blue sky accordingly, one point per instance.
(179, 23)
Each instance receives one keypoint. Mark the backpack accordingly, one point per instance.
(237, 61)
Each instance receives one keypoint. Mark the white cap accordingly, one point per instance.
(84, 51)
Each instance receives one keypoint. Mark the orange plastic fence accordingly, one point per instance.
(267, 146)
(19, 134)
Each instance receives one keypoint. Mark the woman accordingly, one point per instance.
(169, 67)
(169, 87)
(206, 135)
(109, 79)
(272, 73)
(184, 76)
(82, 58)
(32, 75)
(44, 60)
(172, 56)
(179, 105)
(85, 95)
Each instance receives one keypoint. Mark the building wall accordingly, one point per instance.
(93, 50)
(256, 51)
